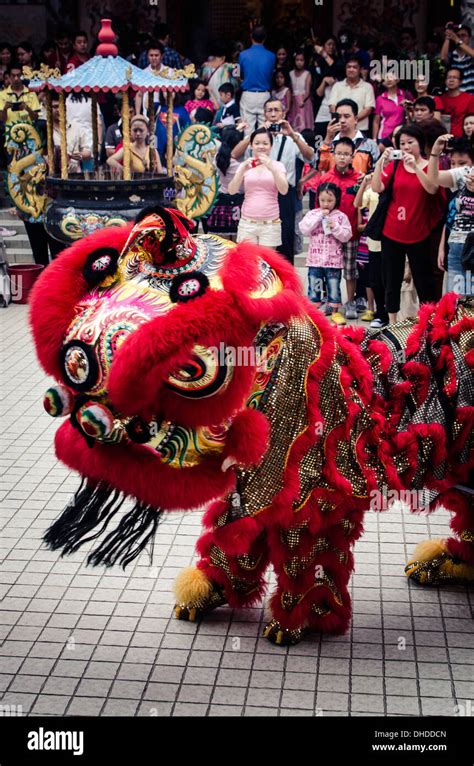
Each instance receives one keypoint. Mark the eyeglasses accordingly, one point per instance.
(342, 154)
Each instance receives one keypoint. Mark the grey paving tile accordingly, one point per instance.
(298, 699)
(259, 698)
(253, 711)
(437, 706)
(435, 688)
(433, 670)
(189, 709)
(195, 675)
(23, 701)
(271, 679)
(195, 693)
(86, 706)
(402, 705)
(161, 692)
(225, 711)
(233, 677)
(464, 689)
(228, 695)
(367, 703)
(120, 707)
(245, 660)
(29, 684)
(50, 705)
(163, 674)
(60, 685)
(153, 709)
(332, 701)
(130, 671)
(93, 687)
(333, 683)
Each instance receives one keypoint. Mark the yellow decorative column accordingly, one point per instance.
(169, 133)
(126, 136)
(95, 131)
(49, 133)
(63, 131)
(151, 130)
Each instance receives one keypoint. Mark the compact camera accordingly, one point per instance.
(275, 127)
(396, 154)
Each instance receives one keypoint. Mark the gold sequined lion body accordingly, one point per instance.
(195, 374)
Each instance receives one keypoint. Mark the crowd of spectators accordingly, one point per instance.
(341, 119)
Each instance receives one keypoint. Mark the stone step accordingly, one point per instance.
(19, 241)
(18, 255)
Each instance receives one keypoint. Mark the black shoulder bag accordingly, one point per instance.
(377, 219)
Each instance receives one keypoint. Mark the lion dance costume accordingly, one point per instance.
(196, 376)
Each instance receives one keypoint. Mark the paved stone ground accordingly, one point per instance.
(78, 641)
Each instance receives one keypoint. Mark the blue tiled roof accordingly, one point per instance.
(109, 73)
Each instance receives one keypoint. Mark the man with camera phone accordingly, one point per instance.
(17, 102)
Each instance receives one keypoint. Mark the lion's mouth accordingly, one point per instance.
(176, 445)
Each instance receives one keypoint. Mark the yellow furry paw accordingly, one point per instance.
(192, 585)
(195, 595)
(432, 564)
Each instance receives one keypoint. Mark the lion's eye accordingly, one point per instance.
(101, 263)
(206, 373)
(185, 287)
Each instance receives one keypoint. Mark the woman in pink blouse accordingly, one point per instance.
(389, 108)
(263, 179)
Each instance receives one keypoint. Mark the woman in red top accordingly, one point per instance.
(408, 224)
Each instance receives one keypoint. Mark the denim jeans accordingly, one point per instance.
(320, 278)
(459, 281)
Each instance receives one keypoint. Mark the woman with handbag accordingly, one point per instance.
(461, 238)
(405, 217)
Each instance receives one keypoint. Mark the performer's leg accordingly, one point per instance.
(313, 570)
(451, 559)
(231, 568)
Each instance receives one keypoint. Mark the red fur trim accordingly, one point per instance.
(59, 288)
(239, 276)
(419, 330)
(138, 472)
(379, 348)
(247, 438)
(421, 376)
(213, 513)
(466, 324)
(235, 538)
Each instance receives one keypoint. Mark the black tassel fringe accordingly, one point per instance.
(94, 505)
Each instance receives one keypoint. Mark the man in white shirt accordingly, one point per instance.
(355, 88)
(154, 52)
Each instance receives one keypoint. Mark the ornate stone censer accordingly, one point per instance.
(81, 203)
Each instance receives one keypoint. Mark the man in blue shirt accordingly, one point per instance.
(256, 69)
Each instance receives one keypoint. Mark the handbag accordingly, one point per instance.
(467, 255)
(376, 221)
